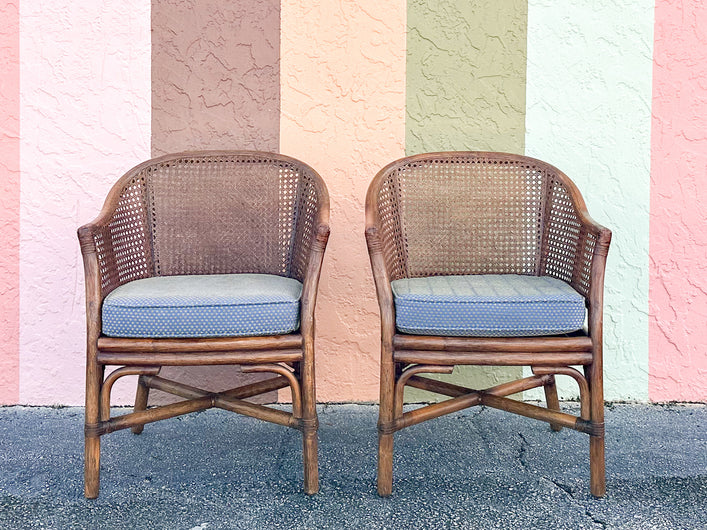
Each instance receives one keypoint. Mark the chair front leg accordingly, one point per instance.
(597, 465)
(141, 395)
(92, 441)
(385, 424)
(310, 425)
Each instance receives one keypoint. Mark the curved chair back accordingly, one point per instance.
(212, 213)
(458, 213)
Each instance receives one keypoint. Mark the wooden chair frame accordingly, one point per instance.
(404, 356)
(290, 357)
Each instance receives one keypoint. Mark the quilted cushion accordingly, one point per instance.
(503, 305)
(219, 305)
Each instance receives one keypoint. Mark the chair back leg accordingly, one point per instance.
(552, 401)
(141, 395)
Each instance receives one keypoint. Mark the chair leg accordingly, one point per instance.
(310, 425)
(552, 401)
(92, 447)
(141, 395)
(597, 465)
(385, 437)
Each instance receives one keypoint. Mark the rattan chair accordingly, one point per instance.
(205, 258)
(485, 259)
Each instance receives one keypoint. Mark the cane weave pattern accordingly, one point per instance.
(468, 213)
(122, 246)
(210, 213)
(487, 305)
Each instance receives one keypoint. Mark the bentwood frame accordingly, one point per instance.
(117, 248)
(570, 246)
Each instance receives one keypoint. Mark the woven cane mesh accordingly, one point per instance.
(123, 245)
(475, 213)
(211, 214)
(570, 246)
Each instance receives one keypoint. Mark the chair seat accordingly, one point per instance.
(503, 305)
(219, 305)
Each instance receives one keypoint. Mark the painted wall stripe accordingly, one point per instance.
(678, 246)
(85, 109)
(9, 202)
(466, 90)
(215, 75)
(588, 113)
(343, 101)
(215, 85)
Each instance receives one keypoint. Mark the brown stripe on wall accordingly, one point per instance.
(215, 75)
(215, 85)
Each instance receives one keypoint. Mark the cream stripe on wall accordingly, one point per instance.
(466, 91)
(589, 113)
(85, 120)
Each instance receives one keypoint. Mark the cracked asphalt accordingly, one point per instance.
(479, 468)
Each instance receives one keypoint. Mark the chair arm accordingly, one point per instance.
(310, 281)
(115, 246)
(309, 243)
(382, 279)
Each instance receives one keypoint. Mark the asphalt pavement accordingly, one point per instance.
(479, 468)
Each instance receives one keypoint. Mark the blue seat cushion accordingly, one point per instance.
(218, 305)
(489, 305)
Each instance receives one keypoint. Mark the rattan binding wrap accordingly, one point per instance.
(183, 214)
(482, 213)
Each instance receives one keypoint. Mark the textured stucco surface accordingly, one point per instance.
(9, 201)
(215, 75)
(466, 91)
(588, 113)
(215, 85)
(343, 97)
(85, 108)
(465, 75)
(678, 268)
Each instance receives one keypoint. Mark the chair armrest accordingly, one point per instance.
(309, 243)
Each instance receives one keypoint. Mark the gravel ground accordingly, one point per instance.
(480, 468)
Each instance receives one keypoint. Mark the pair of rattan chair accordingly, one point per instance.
(214, 258)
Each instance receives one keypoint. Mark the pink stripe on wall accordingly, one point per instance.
(85, 107)
(9, 202)
(678, 229)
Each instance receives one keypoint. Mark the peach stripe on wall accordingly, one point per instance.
(342, 96)
(678, 239)
(9, 202)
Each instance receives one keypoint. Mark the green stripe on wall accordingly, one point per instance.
(465, 90)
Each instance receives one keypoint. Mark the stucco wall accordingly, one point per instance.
(678, 268)
(588, 113)
(85, 109)
(347, 88)
(215, 85)
(9, 201)
(343, 100)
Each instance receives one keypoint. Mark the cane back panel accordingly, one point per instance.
(481, 213)
(211, 214)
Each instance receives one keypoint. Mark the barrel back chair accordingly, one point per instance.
(485, 259)
(205, 258)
